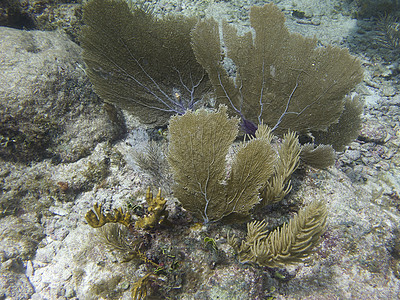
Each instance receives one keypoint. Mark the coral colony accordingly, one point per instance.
(165, 70)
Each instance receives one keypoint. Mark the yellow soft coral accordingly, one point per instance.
(140, 288)
(96, 218)
(156, 211)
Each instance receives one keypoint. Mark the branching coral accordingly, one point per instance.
(389, 32)
(278, 186)
(96, 218)
(292, 243)
(157, 212)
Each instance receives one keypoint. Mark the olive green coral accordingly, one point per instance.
(156, 211)
(152, 161)
(96, 218)
(282, 78)
(319, 157)
(292, 243)
(117, 238)
(205, 184)
(278, 186)
(141, 288)
(389, 32)
(157, 214)
(346, 129)
(141, 63)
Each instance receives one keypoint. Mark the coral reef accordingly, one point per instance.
(287, 252)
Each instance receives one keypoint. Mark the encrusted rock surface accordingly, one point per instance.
(47, 106)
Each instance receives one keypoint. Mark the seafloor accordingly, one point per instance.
(77, 152)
